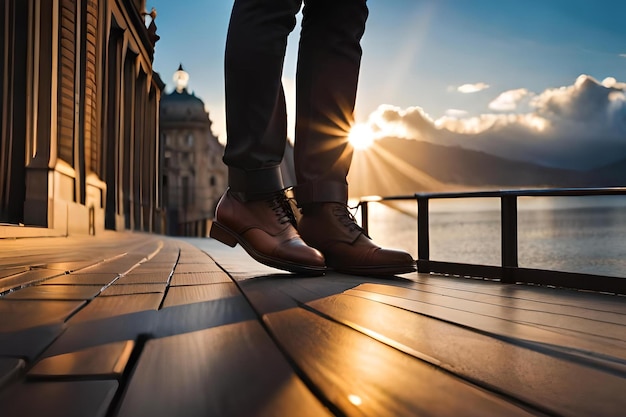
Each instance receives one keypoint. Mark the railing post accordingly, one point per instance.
(509, 237)
(423, 236)
(365, 217)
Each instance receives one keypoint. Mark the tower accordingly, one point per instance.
(194, 176)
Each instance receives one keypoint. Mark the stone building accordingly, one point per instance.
(79, 114)
(194, 176)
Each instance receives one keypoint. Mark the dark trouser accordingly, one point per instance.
(329, 58)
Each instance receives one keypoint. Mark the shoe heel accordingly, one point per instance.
(219, 233)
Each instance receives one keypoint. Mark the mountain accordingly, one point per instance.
(399, 166)
(612, 175)
(395, 166)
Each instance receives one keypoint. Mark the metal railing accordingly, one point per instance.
(509, 271)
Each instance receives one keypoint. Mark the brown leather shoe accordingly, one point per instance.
(331, 228)
(265, 229)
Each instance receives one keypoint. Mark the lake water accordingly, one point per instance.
(573, 234)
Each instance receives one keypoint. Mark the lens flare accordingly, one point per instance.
(361, 136)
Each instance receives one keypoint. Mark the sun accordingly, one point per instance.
(361, 136)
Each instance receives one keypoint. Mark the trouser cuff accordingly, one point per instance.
(255, 183)
(321, 192)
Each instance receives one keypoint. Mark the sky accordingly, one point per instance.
(536, 80)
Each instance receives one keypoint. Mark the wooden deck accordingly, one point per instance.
(138, 325)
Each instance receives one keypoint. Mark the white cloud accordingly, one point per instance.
(622, 55)
(579, 126)
(456, 113)
(609, 82)
(410, 123)
(472, 88)
(509, 100)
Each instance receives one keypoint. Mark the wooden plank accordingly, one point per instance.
(362, 376)
(162, 323)
(104, 307)
(169, 256)
(10, 368)
(8, 271)
(200, 293)
(58, 399)
(114, 267)
(160, 277)
(29, 343)
(545, 379)
(235, 260)
(193, 257)
(103, 361)
(150, 266)
(67, 266)
(28, 277)
(582, 309)
(191, 254)
(197, 267)
(560, 296)
(19, 315)
(275, 294)
(232, 370)
(199, 278)
(520, 314)
(83, 279)
(55, 292)
(130, 289)
(506, 328)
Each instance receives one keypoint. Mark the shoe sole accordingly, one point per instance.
(228, 237)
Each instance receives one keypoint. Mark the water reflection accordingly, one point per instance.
(566, 234)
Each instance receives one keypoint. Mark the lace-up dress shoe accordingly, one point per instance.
(266, 230)
(331, 228)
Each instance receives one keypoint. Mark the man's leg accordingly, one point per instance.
(256, 120)
(328, 69)
(329, 60)
(254, 211)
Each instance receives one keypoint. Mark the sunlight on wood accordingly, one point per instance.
(355, 399)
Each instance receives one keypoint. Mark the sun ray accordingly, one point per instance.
(361, 136)
(378, 171)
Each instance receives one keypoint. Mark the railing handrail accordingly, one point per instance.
(525, 192)
(509, 271)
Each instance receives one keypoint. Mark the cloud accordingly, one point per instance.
(456, 113)
(586, 100)
(509, 100)
(410, 123)
(580, 126)
(611, 82)
(622, 55)
(472, 88)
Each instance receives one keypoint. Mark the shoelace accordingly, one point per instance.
(280, 204)
(346, 218)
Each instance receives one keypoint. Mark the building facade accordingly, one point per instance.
(194, 176)
(79, 106)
